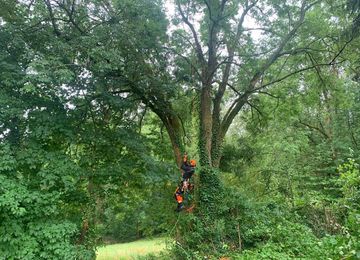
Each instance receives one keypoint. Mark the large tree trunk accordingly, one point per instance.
(205, 127)
(175, 132)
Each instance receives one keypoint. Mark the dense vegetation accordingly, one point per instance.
(100, 99)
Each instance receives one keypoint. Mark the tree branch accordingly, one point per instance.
(315, 128)
(142, 118)
(254, 107)
(231, 51)
(234, 109)
(341, 50)
(198, 48)
(293, 73)
(70, 14)
(185, 38)
(52, 18)
(217, 130)
(186, 59)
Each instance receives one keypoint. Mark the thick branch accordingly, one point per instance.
(254, 107)
(342, 49)
(291, 74)
(70, 14)
(217, 131)
(186, 59)
(185, 38)
(229, 62)
(52, 18)
(231, 49)
(239, 103)
(198, 48)
(315, 128)
(232, 112)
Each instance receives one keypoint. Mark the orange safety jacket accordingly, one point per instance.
(178, 195)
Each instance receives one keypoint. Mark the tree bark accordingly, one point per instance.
(173, 127)
(205, 127)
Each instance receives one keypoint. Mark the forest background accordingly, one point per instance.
(99, 100)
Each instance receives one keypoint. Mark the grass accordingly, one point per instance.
(130, 250)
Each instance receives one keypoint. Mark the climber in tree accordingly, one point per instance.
(188, 168)
(187, 171)
(179, 196)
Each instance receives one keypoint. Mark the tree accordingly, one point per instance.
(230, 67)
(67, 128)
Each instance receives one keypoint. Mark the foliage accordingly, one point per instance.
(66, 145)
(350, 185)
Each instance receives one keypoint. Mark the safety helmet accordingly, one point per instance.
(192, 163)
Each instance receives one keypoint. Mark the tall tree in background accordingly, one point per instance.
(230, 66)
(228, 59)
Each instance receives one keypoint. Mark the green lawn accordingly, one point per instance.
(130, 250)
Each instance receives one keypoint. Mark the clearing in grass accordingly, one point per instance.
(130, 250)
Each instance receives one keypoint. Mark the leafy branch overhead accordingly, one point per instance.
(234, 49)
(230, 58)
